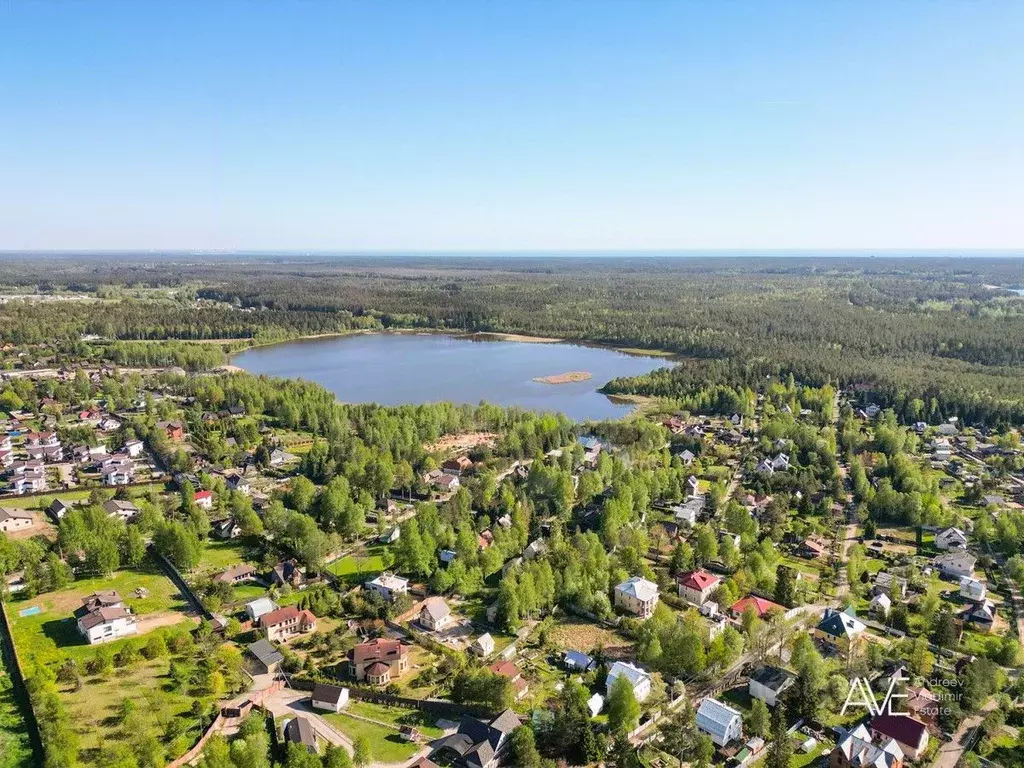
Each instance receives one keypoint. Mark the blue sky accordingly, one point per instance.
(440, 124)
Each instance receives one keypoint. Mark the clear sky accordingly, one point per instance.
(512, 124)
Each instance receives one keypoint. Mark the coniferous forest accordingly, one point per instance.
(929, 337)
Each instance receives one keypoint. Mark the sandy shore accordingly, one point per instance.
(565, 378)
(518, 337)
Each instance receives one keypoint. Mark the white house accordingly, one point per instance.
(15, 520)
(955, 564)
(780, 463)
(972, 589)
(880, 605)
(332, 698)
(103, 617)
(951, 538)
(259, 607)
(765, 468)
(638, 678)
(769, 683)
(483, 645)
(388, 586)
(435, 614)
(133, 448)
(638, 596)
(719, 721)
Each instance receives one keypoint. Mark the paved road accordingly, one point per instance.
(951, 752)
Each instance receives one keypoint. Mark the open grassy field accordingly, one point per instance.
(397, 716)
(70, 497)
(53, 631)
(94, 709)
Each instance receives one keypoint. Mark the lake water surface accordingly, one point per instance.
(394, 369)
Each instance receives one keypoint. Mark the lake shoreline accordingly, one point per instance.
(410, 366)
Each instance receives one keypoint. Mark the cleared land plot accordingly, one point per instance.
(357, 568)
(219, 555)
(387, 745)
(53, 631)
(582, 635)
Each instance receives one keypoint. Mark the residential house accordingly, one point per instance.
(856, 749)
(780, 463)
(332, 698)
(839, 628)
(457, 466)
(236, 574)
(696, 587)
(435, 614)
(688, 512)
(980, 615)
(285, 623)
(687, 457)
(477, 743)
(911, 735)
(57, 510)
(955, 565)
(811, 548)
(719, 721)
(765, 468)
(769, 683)
(692, 486)
(511, 671)
(103, 617)
(279, 458)
(924, 705)
(972, 589)
(535, 549)
(674, 424)
(637, 677)
(204, 499)
(133, 448)
(483, 646)
(265, 657)
(240, 483)
(893, 586)
(121, 509)
(300, 731)
(390, 536)
(259, 607)
(761, 605)
(577, 661)
(226, 529)
(638, 596)
(12, 520)
(288, 572)
(880, 605)
(388, 586)
(173, 429)
(950, 538)
(378, 661)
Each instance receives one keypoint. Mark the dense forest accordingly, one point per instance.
(929, 337)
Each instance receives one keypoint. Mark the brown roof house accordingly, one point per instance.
(379, 661)
(104, 617)
(284, 623)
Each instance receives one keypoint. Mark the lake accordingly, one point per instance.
(400, 368)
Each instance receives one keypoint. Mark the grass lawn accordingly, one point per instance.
(355, 569)
(397, 716)
(387, 745)
(799, 759)
(220, 555)
(246, 593)
(33, 502)
(15, 748)
(418, 682)
(52, 632)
